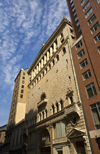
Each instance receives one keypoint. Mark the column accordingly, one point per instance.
(41, 63)
(44, 59)
(59, 104)
(55, 108)
(50, 52)
(54, 46)
(32, 75)
(39, 66)
(47, 55)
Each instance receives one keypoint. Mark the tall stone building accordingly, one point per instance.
(18, 106)
(54, 117)
(85, 16)
(2, 136)
(54, 121)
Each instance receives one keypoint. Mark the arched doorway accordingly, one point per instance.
(45, 142)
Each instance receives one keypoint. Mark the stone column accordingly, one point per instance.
(59, 104)
(44, 59)
(41, 63)
(47, 55)
(55, 108)
(50, 52)
(54, 46)
(39, 66)
(32, 75)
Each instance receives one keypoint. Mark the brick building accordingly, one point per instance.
(85, 17)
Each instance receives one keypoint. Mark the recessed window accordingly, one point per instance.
(95, 109)
(72, 5)
(83, 2)
(71, 1)
(74, 13)
(46, 113)
(86, 6)
(53, 62)
(60, 129)
(81, 54)
(53, 109)
(23, 77)
(22, 86)
(22, 91)
(95, 27)
(57, 57)
(62, 40)
(77, 24)
(97, 38)
(90, 21)
(57, 107)
(23, 73)
(61, 103)
(91, 91)
(99, 49)
(78, 45)
(83, 63)
(73, 37)
(71, 30)
(23, 82)
(21, 96)
(98, 1)
(64, 50)
(76, 18)
(49, 66)
(79, 29)
(88, 13)
(86, 75)
(73, 9)
(43, 114)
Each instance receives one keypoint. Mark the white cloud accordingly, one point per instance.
(24, 26)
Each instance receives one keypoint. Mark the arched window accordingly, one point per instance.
(43, 74)
(43, 114)
(61, 102)
(43, 96)
(53, 109)
(40, 116)
(46, 113)
(57, 106)
(64, 50)
(49, 66)
(57, 57)
(53, 62)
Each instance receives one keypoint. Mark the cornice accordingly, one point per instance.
(50, 40)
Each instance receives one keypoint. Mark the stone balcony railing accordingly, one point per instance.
(72, 109)
(45, 100)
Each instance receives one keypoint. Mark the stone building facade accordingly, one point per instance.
(54, 121)
(54, 118)
(2, 136)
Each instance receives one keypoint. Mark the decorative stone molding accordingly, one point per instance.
(69, 91)
(42, 102)
(72, 109)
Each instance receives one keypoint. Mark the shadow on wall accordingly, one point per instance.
(31, 117)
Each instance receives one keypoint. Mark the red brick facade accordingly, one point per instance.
(92, 55)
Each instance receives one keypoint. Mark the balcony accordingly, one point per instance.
(45, 100)
(72, 109)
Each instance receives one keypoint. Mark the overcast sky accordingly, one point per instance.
(24, 26)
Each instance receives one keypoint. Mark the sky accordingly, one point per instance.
(24, 26)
